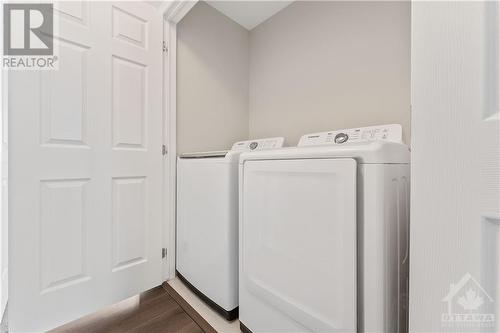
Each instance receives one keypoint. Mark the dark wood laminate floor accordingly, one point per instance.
(154, 311)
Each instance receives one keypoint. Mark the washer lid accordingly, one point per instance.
(206, 154)
(363, 152)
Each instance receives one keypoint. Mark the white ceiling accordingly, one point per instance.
(249, 14)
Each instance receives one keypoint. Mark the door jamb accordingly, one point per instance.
(173, 12)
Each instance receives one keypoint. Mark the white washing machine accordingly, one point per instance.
(207, 223)
(324, 234)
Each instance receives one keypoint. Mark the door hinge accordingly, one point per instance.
(165, 48)
(163, 253)
(164, 150)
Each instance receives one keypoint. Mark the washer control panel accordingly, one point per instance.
(259, 144)
(392, 132)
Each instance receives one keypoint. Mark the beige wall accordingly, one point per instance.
(212, 81)
(314, 66)
(319, 66)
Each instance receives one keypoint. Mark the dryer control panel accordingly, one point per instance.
(260, 144)
(392, 132)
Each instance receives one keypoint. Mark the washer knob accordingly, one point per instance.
(253, 145)
(341, 138)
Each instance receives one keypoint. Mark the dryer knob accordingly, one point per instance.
(341, 138)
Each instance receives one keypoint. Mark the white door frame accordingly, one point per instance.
(173, 12)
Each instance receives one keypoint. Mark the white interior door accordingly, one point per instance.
(86, 167)
(455, 204)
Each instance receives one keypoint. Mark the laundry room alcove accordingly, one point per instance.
(250, 70)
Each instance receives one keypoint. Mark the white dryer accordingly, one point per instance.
(324, 234)
(207, 223)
